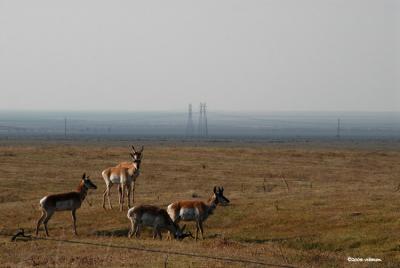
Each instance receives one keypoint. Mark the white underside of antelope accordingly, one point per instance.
(187, 214)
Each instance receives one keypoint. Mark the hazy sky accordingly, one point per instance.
(235, 55)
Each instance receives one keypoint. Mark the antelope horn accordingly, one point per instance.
(186, 235)
(141, 150)
(84, 176)
(189, 234)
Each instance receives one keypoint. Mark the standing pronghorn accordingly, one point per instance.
(155, 217)
(198, 211)
(124, 174)
(62, 202)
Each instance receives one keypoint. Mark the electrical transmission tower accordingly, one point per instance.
(338, 129)
(190, 126)
(203, 127)
(205, 120)
(65, 127)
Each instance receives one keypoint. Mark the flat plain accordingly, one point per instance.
(302, 204)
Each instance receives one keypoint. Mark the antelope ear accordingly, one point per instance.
(133, 148)
(222, 189)
(215, 189)
(84, 176)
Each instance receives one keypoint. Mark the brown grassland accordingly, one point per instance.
(339, 201)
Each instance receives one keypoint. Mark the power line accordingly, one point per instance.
(194, 255)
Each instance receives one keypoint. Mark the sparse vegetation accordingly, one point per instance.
(334, 202)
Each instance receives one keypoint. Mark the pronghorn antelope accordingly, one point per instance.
(198, 211)
(152, 216)
(62, 202)
(124, 174)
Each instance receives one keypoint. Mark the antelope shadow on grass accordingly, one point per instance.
(109, 233)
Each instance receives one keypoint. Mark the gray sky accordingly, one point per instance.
(235, 55)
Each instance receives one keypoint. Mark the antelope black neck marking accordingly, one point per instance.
(211, 206)
(82, 190)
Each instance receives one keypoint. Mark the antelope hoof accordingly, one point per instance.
(130, 234)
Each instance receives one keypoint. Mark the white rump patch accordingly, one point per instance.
(130, 212)
(42, 201)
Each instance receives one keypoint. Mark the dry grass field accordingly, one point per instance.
(339, 202)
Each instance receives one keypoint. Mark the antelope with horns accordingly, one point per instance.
(155, 217)
(195, 210)
(124, 174)
(62, 202)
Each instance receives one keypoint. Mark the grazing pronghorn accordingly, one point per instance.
(155, 217)
(124, 174)
(62, 202)
(195, 210)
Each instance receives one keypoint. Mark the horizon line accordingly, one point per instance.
(185, 111)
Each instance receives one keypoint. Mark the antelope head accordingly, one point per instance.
(137, 156)
(184, 235)
(179, 234)
(219, 196)
(87, 182)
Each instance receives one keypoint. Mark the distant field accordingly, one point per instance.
(335, 202)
